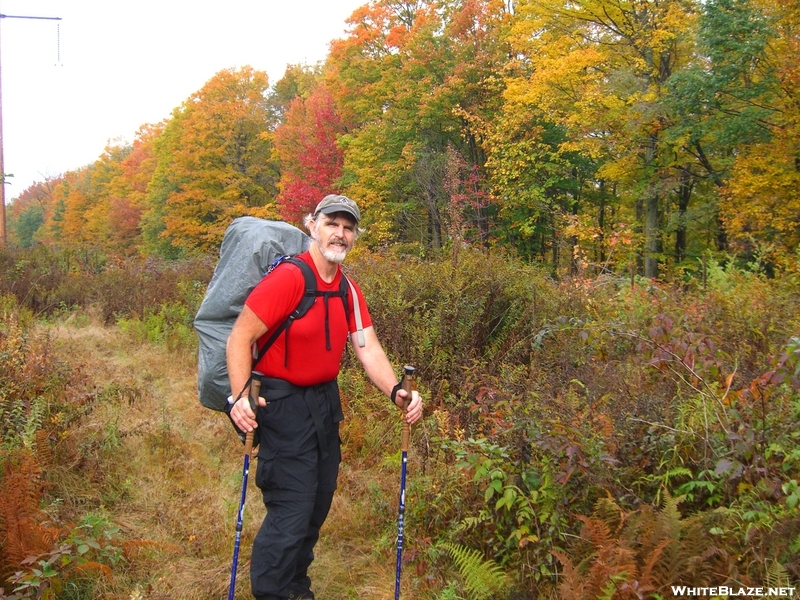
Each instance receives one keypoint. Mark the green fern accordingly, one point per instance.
(482, 578)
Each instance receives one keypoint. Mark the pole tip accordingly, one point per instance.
(409, 370)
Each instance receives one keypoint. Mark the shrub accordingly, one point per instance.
(49, 282)
(89, 552)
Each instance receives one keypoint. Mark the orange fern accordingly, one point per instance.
(624, 555)
(22, 524)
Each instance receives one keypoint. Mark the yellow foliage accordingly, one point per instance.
(761, 201)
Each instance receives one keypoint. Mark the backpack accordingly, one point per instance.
(251, 248)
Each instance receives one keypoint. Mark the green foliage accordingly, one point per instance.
(88, 553)
(482, 578)
(171, 326)
(31, 378)
(450, 592)
(27, 224)
(480, 307)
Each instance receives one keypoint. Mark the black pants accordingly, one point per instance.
(298, 464)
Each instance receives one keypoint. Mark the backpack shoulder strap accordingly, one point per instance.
(357, 310)
(306, 301)
(309, 288)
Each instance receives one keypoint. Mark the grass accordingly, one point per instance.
(168, 472)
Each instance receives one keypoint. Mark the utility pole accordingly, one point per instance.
(3, 234)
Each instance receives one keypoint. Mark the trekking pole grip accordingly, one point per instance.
(255, 391)
(408, 386)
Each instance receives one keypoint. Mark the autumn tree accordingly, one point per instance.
(598, 69)
(126, 193)
(212, 165)
(753, 72)
(306, 149)
(71, 210)
(411, 80)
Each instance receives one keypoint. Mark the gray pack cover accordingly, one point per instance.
(248, 248)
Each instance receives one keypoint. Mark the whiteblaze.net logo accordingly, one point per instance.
(732, 592)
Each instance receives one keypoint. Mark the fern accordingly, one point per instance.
(482, 578)
(640, 554)
(571, 584)
(777, 576)
(670, 518)
(23, 528)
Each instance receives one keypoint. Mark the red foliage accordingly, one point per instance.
(310, 158)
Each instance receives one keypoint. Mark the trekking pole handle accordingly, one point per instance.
(255, 390)
(408, 386)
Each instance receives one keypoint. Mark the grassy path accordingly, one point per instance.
(168, 472)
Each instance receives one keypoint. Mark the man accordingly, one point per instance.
(297, 420)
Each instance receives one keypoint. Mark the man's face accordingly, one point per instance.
(334, 235)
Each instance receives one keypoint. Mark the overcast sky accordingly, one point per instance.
(108, 67)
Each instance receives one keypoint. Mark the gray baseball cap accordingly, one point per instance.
(333, 203)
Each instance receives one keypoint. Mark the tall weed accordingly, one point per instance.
(36, 405)
(49, 282)
(549, 395)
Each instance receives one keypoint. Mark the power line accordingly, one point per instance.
(3, 234)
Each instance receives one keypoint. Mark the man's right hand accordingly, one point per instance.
(243, 415)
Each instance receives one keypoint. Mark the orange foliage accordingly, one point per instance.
(23, 526)
(212, 162)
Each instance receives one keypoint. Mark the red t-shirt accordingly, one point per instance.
(309, 361)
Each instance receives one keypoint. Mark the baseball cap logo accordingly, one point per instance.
(335, 203)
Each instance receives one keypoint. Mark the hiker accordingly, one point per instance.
(297, 419)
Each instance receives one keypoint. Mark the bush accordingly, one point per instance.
(37, 403)
(32, 380)
(49, 282)
(87, 554)
(550, 395)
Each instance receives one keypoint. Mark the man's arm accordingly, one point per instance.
(246, 330)
(380, 372)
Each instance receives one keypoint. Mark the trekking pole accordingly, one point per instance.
(408, 386)
(255, 390)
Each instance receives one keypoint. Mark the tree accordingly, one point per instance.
(28, 212)
(306, 149)
(213, 164)
(298, 81)
(412, 80)
(127, 192)
(754, 47)
(598, 69)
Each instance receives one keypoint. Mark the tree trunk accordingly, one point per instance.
(652, 242)
(601, 223)
(684, 194)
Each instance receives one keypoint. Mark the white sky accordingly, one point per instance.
(121, 65)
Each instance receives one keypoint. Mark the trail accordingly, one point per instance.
(168, 471)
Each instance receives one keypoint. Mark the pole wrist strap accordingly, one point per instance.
(395, 389)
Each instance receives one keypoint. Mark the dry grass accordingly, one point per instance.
(168, 472)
